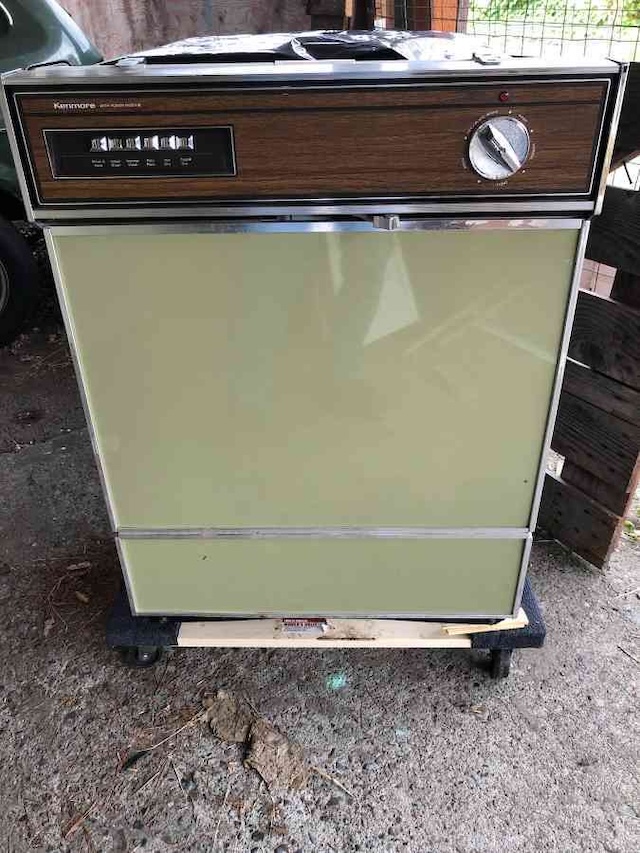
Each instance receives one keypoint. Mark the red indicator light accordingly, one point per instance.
(503, 96)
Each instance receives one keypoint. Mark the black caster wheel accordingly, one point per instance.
(140, 657)
(500, 663)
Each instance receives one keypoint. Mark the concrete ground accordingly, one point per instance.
(435, 757)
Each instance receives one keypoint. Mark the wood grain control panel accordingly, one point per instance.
(199, 145)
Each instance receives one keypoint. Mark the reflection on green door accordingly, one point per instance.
(318, 379)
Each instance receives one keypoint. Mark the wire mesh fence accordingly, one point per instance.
(570, 28)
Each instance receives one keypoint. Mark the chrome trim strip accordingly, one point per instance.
(323, 533)
(75, 355)
(74, 349)
(526, 208)
(522, 576)
(125, 574)
(255, 226)
(334, 614)
(559, 375)
(6, 13)
(613, 129)
(148, 85)
(319, 70)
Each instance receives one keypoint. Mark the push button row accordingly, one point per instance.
(155, 142)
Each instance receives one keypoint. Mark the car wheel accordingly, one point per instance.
(19, 283)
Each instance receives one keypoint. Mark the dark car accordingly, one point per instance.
(32, 32)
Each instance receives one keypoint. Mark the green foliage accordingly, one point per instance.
(594, 13)
(630, 530)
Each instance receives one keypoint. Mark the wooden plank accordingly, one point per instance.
(600, 394)
(597, 441)
(338, 633)
(385, 13)
(607, 394)
(614, 236)
(626, 288)
(511, 624)
(606, 336)
(444, 15)
(614, 497)
(577, 521)
(412, 14)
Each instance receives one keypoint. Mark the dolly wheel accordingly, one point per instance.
(500, 663)
(140, 657)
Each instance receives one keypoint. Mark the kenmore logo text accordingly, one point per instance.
(86, 105)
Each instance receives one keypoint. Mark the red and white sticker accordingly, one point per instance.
(304, 626)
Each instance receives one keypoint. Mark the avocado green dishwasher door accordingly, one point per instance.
(318, 422)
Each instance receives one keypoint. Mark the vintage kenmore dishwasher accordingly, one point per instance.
(319, 309)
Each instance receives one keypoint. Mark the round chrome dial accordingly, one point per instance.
(499, 147)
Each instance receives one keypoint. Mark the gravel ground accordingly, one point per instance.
(422, 751)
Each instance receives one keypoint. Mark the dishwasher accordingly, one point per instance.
(318, 289)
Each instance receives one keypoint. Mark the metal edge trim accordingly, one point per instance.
(7, 13)
(560, 368)
(596, 152)
(125, 574)
(275, 72)
(382, 206)
(334, 614)
(522, 576)
(611, 141)
(15, 153)
(75, 356)
(215, 88)
(323, 533)
(254, 226)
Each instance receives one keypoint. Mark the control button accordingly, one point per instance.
(99, 143)
(167, 142)
(115, 143)
(150, 143)
(132, 143)
(185, 143)
(499, 147)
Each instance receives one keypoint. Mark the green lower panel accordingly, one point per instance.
(431, 577)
